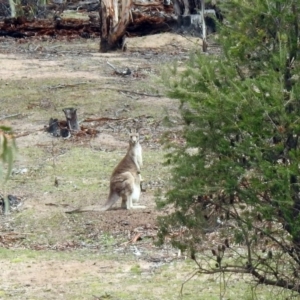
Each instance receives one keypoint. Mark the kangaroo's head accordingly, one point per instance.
(133, 137)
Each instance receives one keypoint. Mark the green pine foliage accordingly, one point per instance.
(238, 171)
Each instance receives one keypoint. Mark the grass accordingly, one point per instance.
(79, 168)
(27, 97)
(131, 280)
(83, 176)
(27, 255)
(37, 100)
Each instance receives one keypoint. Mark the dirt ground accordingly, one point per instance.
(38, 71)
(37, 61)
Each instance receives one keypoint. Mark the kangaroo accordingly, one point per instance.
(125, 181)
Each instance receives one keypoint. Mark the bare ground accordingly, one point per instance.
(37, 80)
(38, 64)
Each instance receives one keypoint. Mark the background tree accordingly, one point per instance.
(12, 6)
(27, 8)
(114, 17)
(238, 173)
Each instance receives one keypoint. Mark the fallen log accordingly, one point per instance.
(115, 20)
(140, 25)
(23, 27)
(145, 24)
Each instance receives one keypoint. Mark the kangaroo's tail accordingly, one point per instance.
(112, 199)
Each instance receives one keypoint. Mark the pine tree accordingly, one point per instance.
(238, 173)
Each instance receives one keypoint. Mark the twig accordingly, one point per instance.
(136, 238)
(132, 97)
(112, 66)
(27, 133)
(187, 280)
(131, 92)
(10, 116)
(104, 88)
(104, 119)
(60, 86)
(126, 71)
(113, 128)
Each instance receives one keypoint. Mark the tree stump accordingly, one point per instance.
(71, 117)
(54, 127)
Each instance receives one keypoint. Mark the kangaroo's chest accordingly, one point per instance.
(137, 155)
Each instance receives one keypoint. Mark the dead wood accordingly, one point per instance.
(54, 127)
(148, 22)
(123, 72)
(131, 92)
(27, 133)
(103, 119)
(23, 27)
(58, 128)
(57, 205)
(9, 203)
(10, 116)
(65, 128)
(136, 238)
(60, 86)
(152, 4)
(113, 23)
(72, 120)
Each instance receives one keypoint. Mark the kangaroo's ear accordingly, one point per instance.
(132, 130)
(139, 129)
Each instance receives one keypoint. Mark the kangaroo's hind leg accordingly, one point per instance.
(134, 197)
(131, 191)
(124, 202)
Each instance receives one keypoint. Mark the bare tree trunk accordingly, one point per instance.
(12, 6)
(186, 5)
(113, 23)
(6, 206)
(105, 21)
(178, 7)
(204, 41)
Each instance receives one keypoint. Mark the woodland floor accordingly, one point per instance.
(40, 78)
(48, 254)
